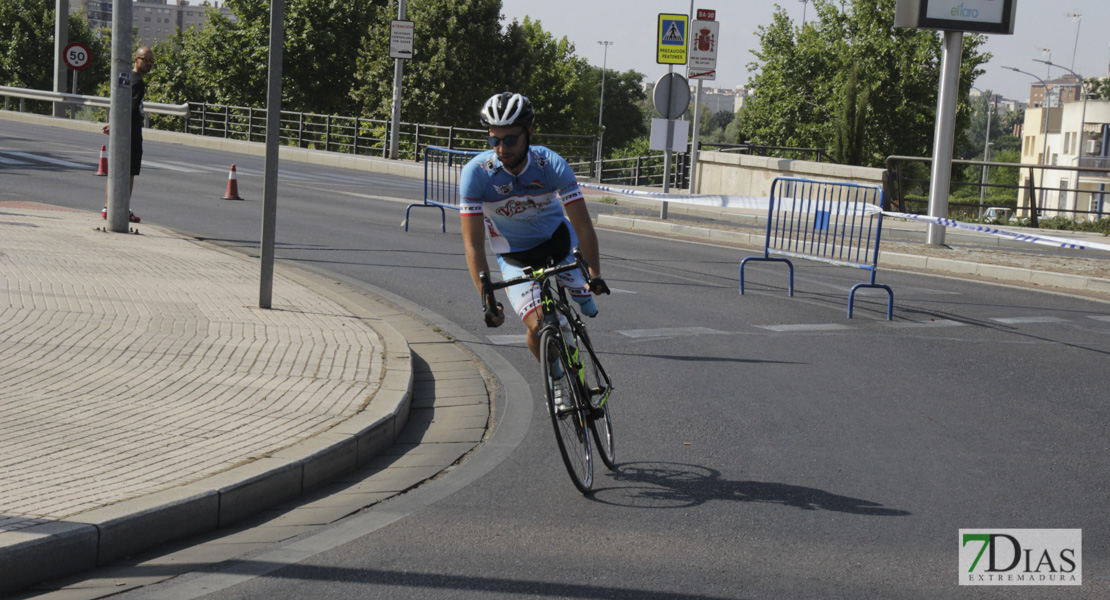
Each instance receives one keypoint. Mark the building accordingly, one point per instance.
(1060, 91)
(154, 20)
(1070, 135)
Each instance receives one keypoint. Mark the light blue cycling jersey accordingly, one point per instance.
(521, 211)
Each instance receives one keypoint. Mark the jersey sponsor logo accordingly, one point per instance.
(492, 230)
(504, 190)
(535, 184)
(489, 166)
(515, 207)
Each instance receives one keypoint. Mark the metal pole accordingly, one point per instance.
(61, 40)
(273, 132)
(119, 137)
(696, 136)
(1044, 130)
(986, 150)
(667, 151)
(941, 177)
(601, 107)
(398, 71)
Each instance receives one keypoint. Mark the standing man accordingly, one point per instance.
(144, 62)
(518, 193)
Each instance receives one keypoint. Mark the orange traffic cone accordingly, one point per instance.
(232, 192)
(102, 168)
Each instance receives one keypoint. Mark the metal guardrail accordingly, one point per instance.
(173, 110)
(639, 171)
(1037, 200)
(358, 135)
(831, 222)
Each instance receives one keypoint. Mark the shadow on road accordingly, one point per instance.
(677, 485)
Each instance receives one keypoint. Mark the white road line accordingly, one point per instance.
(807, 327)
(930, 323)
(172, 167)
(1099, 317)
(505, 340)
(1024, 320)
(671, 332)
(47, 159)
(12, 161)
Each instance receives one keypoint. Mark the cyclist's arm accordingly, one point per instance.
(474, 242)
(579, 217)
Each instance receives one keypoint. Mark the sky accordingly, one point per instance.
(631, 26)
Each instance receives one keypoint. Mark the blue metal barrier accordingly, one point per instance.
(442, 170)
(837, 223)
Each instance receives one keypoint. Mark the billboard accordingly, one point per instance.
(973, 16)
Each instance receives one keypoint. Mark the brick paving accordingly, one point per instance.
(130, 364)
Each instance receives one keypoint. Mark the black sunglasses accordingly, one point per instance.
(509, 140)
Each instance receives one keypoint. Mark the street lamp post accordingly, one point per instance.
(986, 150)
(1044, 121)
(1082, 118)
(601, 106)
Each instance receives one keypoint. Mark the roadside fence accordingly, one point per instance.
(831, 222)
(442, 170)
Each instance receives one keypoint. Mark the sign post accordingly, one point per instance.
(953, 18)
(76, 56)
(703, 65)
(400, 49)
(671, 40)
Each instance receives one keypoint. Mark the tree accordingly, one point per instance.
(225, 62)
(976, 133)
(623, 118)
(801, 75)
(1098, 88)
(456, 64)
(851, 121)
(27, 47)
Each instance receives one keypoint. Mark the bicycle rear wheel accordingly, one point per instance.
(596, 388)
(570, 427)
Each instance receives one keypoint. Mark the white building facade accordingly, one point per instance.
(1068, 136)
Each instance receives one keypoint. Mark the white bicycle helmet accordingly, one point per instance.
(506, 109)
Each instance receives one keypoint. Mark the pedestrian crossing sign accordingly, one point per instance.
(671, 39)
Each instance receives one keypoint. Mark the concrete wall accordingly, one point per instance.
(742, 175)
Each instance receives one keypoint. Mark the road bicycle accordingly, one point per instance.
(567, 359)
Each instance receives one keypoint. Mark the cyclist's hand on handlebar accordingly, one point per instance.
(495, 316)
(598, 286)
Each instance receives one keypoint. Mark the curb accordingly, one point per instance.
(949, 266)
(95, 538)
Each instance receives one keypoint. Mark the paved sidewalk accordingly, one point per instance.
(144, 397)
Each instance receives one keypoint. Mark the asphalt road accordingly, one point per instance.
(768, 446)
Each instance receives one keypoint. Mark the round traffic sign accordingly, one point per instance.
(671, 96)
(77, 56)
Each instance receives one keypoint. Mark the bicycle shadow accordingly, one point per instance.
(677, 485)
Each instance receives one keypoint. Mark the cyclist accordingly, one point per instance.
(518, 193)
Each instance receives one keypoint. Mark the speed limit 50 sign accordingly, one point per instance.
(77, 56)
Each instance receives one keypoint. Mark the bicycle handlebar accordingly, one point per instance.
(530, 275)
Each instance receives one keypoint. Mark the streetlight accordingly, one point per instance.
(986, 150)
(805, 4)
(1044, 144)
(601, 106)
(1082, 118)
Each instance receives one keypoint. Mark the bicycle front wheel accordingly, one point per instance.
(570, 426)
(596, 388)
